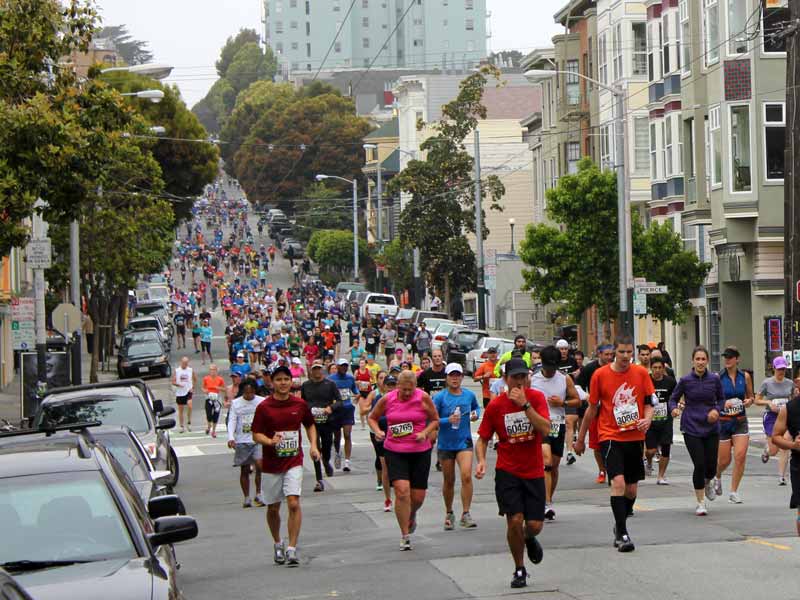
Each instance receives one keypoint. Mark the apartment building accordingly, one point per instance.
(432, 34)
(716, 148)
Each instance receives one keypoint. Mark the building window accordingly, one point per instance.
(366, 62)
(653, 45)
(605, 148)
(589, 64)
(665, 44)
(308, 28)
(653, 154)
(553, 173)
(470, 24)
(292, 3)
(295, 46)
(689, 125)
(737, 27)
(715, 146)
(417, 43)
(278, 26)
(337, 5)
(418, 22)
(666, 133)
(710, 32)
(365, 21)
(774, 140)
(689, 236)
(444, 23)
(640, 142)
(685, 37)
(279, 47)
(337, 47)
(573, 89)
(364, 3)
(573, 150)
(278, 6)
(775, 20)
(308, 7)
(740, 148)
(308, 50)
(295, 66)
(679, 157)
(639, 49)
(617, 58)
(469, 4)
(365, 43)
(602, 58)
(446, 44)
(293, 25)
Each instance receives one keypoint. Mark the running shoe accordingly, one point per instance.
(379, 487)
(734, 498)
(701, 510)
(535, 552)
(495, 444)
(183, 430)
(449, 522)
(782, 480)
(346, 467)
(648, 468)
(188, 427)
(337, 461)
(624, 544)
(718, 486)
(328, 470)
(549, 513)
(320, 487)
(467, 522)
(438, 466)
(387, 506)
(279, 555)
(247, 503)
(601, 478)
(291, 558)
(662, 481)
(412, 523)
(710, 492)
(571, 458)
(207, 430)
(520, 579)
(405, 543)
(765, 456)
(257, 501)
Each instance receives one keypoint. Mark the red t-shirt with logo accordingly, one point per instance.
(286, 416)
(621, 397)
(520, 449)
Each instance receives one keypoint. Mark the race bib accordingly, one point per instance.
(363, 385)
(736, 407)
(493, 381)
(660, 411)
(319, 414)
(401, 429)
(345, 395)
(780, 401)
(295, 382)
(556, 421)
(247, 423)
(518, 427)
(371, 341)
(289, 444)
(626, 415)
(213, 396)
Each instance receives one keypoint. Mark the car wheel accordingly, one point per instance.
(175, 468)
(167, 371)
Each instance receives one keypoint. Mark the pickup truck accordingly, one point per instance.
(377, 305)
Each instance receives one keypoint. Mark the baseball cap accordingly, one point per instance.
(779, 363)
(281, 369)
(240, 355)
(390, 380)
(342, 361)
(395, 369)
(453, 367)
(317, 365)
(733, 352)
(516, 366)
(296, 361)
(492, 349)
(562, 343)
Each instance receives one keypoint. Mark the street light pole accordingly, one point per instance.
(355, 230)
(479, 233)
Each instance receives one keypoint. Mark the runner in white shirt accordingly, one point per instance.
(184, 380)
(240, 438)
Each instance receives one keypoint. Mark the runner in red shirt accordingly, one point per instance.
(276, 426)
(520, 419)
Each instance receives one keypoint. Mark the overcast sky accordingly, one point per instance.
(188, 34)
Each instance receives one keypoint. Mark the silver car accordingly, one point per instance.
(440, 333)
(477, 356)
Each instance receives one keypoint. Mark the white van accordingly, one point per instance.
(377, 305)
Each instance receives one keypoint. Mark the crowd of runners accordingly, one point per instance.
(299, 364)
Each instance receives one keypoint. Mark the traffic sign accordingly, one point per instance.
(68, 316)
(39, 254)
(797, 290)
(650, 289)
(639, 303)
(23, 323)
(490, 277)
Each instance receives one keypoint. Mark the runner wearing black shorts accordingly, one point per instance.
(659, 436)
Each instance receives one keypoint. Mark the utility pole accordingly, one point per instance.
(418, 292)
(479, 233)
(380, 220)
(623, 220)
(355, 229)
(791, 188)
(75, 296)
(39, 311)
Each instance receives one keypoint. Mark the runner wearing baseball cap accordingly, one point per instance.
(322, 396)
(345, 414)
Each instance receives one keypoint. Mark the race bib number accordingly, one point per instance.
(363, 385)
(660, 411)
(289, 444)
(518, 427)
(309, 332)
(371, 341)
(345, 395)
(213, 396)
(556, 421)
(295, 382)
(736, 407)
(493, 381)
(247, 424)
(780, 401)
(626, 415)
(401, 429)
(319, 414)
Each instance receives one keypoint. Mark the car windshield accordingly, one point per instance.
(124, 449)
(144, 349)
(468, 338)
(140, 336)
(126, 410)
(490, 342)
(445, 328)
(159, 292)
(382, 300)
(61, 517)
(143, 324)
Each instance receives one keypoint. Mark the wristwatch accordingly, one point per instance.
(526, 406)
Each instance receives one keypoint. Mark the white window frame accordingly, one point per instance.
(764, 53)
(678, 125)
(714, 125)
(710, 48)
(469, 24)
(617, 62)
(729, 44)
(685, 38)
(765, 125)
(654, 150)
(666, 62)
(553, 173)
(731, 145)
(692, 172)
(638, 167)
(602, 58)
(606, 152)
(666, 134)
(573, 155)
(638, 52)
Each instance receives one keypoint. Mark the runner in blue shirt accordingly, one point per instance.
(345, 415)
(206, 335)
(456, 407)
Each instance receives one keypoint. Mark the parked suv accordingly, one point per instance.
(459, 342)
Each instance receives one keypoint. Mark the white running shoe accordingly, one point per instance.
(734, 498)
(662, 481)
(710, 491)
(701, 510)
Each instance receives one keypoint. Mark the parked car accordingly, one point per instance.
(11, 589)
(460, 342)
(294, 244)
(143, 358)
(344, 286)
(477, 356)
(118, 403)
(151, 322)
(141, 335)
(431, 323)
(421, 315)
(74, 526)
(404, 322)
(440, 333)
(378, 305)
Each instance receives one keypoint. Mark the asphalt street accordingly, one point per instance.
(349, 547)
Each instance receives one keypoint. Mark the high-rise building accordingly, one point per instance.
(421, 34)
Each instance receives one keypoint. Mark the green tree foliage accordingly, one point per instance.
(503, 56)
(310, 135)
(576, 264)
(132, 52)
(232, 46)
(441, 209)
(332, 250)
(397, 257)
(322, 208)
(251, 64)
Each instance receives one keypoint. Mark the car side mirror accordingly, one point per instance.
(171, 530)
(158, 406)
(169, 410)
(165, 424)
(165, 506)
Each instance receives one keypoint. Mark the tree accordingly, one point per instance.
(332, 250)
(441, 209)
(232, 46)
(132, 52)
(398, 260)
(576, 264)
(326, 210)
(503, 57)
(251, 64)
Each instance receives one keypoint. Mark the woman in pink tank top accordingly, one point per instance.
(412, 420)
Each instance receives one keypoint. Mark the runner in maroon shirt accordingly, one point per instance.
(276, 426)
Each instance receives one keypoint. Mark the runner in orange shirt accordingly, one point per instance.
(621, 399)
(485, 373)
(213, 386)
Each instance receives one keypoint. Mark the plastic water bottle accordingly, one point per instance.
(457, 413)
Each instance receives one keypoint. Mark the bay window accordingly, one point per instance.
(774, 140)
(740, 148)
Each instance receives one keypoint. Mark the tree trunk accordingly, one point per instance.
(94, 313)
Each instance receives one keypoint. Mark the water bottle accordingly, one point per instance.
(457, 413)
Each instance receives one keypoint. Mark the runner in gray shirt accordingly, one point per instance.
(423, 340)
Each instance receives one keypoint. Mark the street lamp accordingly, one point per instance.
(379, 192)
(511, 222)
(355, 217)
(151, 70)
(155, 96)
(623, 209)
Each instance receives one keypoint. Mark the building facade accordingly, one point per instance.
(432, 34)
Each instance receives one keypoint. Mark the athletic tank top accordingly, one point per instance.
(734, 390)
(404, 421)
(552, 386)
